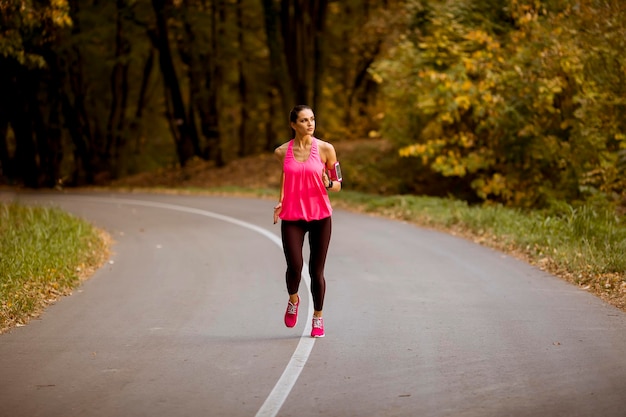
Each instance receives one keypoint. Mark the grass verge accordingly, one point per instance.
(44, 254)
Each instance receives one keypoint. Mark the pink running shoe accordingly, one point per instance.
(318, 327)
(291, 315)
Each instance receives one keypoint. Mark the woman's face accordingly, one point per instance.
(305, 123)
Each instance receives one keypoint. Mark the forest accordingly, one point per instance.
(513, 102)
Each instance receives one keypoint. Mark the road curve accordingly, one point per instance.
(186, 320)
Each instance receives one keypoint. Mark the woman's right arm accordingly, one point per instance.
(280, 154)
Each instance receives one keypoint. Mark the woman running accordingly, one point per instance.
(304, 207)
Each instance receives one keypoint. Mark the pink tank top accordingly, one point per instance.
(305, 197)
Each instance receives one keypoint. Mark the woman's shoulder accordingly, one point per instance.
(325, 147)
(281, 150)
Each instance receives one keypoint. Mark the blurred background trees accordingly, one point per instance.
(94, 90)
(519, 102)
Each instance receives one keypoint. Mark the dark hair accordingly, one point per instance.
(293, 115)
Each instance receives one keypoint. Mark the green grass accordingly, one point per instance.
(43, 254)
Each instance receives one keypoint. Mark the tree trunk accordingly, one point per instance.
(188, 50)
(213, 78)
(25, 149)
(136, 132)
(74, 110)
(318, 12)
(302, 23)
(83, 160)
(183, 133)
(278, 64)
(242, 85)
(45, 145)
(54, 135)
(270, 134)
(6, 161)
(115, 135)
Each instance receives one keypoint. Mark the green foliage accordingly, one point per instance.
(42, 254)
(524, 109)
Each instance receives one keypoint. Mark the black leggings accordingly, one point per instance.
(293, 240)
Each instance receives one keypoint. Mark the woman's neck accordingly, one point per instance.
(303, 141)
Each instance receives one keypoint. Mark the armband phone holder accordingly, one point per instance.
(335, 173)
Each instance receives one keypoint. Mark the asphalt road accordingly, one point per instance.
(186, 320)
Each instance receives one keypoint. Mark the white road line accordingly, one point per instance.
(286, 382)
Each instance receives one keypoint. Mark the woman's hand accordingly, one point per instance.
(325, 178)
(277, 209)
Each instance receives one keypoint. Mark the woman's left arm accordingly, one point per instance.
(331, 159)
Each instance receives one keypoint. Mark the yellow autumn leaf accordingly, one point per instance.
(463, 102)
(446, 118)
